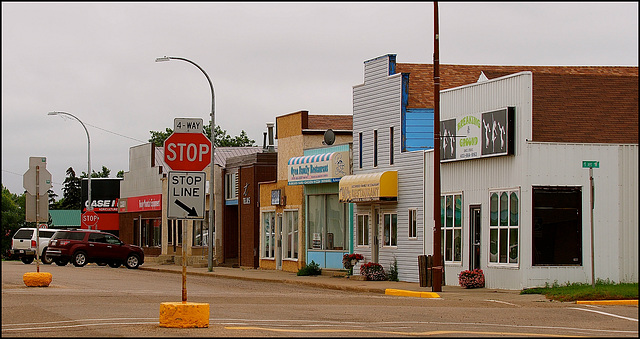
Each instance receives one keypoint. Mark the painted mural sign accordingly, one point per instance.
(478, 135)
(319, 168)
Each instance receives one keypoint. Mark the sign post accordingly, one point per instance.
(591, 165)
(187, 151)
(37, 181)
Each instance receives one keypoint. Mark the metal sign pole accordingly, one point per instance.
(37, 219)
(184, 262)
(591, 203)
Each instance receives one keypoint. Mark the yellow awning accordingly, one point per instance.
(380, 186)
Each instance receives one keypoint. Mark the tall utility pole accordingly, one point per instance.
(437, 242)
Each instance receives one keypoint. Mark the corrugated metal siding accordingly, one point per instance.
(628, 183)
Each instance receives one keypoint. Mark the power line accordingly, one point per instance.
(118, 134)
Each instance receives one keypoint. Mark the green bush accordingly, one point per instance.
(311, 269)
(393, 270)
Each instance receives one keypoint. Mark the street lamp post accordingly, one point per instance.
(211, 174)
(89, 207)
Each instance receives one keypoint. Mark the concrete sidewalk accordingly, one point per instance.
(353, 284)
(329, 281)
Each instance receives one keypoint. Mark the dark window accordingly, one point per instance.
(557, 225)
(98, 237)
(360, 148)
(375, 148)
(23, 234)
(390, 145)
(47, 234)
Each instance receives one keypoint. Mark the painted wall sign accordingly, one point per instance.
(144, 203)
(478, 135)
(320, 168)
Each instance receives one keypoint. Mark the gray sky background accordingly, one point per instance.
(96, 61)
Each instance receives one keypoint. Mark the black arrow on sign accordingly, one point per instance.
(191, 210)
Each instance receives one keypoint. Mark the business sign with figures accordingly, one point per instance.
(480, 135)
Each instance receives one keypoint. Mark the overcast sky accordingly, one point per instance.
(96, 61)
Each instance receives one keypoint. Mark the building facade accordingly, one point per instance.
(282, 206)
(392, 156)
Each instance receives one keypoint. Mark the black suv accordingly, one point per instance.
(85, 246)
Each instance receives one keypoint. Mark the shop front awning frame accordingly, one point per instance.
(369, 187)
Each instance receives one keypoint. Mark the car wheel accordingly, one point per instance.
(61, 262)
(47, 260)
(79, 259)
(132, 261)
(27, 260)
(114, 264)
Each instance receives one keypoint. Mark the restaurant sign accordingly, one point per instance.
(319, 168)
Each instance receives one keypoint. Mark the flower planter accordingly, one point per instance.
(471, 278)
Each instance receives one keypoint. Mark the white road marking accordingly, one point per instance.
(605, 313)
(502, 302)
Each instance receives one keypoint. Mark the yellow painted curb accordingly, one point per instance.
(184, 315)
(404, 293)
(37, 279)
(607, 302)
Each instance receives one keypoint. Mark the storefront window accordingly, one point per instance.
(503, 227)
(291, 231)
(326, 223)
(200, 233)
(269, 234)
(150, 233)
(363, 230)
(391, 229)
(451, 210)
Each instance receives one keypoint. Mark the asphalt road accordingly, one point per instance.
(95, 301)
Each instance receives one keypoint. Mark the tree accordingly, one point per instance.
(104, 173)
(71, 190)
(222, 139)
(13, 217)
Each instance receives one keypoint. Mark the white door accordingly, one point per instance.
(375, 234)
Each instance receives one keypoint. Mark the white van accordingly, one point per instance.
(23, 244)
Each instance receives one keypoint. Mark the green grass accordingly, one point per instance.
(604, 290)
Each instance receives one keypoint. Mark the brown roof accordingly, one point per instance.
(562, 95)
(334, 122)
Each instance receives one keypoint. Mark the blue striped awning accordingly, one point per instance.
(310, 159)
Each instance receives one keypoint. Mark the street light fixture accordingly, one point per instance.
(211, 175)
(89, 207)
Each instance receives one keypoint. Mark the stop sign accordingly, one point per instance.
(187, 151)
(89, 219)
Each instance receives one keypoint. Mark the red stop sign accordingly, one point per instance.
(89, 219)
(187, 151)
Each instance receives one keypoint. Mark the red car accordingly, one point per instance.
(85, 246)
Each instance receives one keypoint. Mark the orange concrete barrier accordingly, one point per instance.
(37, 279)
(184, 314)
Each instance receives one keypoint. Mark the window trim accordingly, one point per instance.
(499, 227)
(365, 239)
(413, 223)
(453, 228)
(384, 228)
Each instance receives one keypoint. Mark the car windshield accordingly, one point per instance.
(69, 235)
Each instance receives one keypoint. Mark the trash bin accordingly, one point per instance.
(424, 270)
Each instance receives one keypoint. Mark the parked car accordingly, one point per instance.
(81, 247)
(23, 244)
